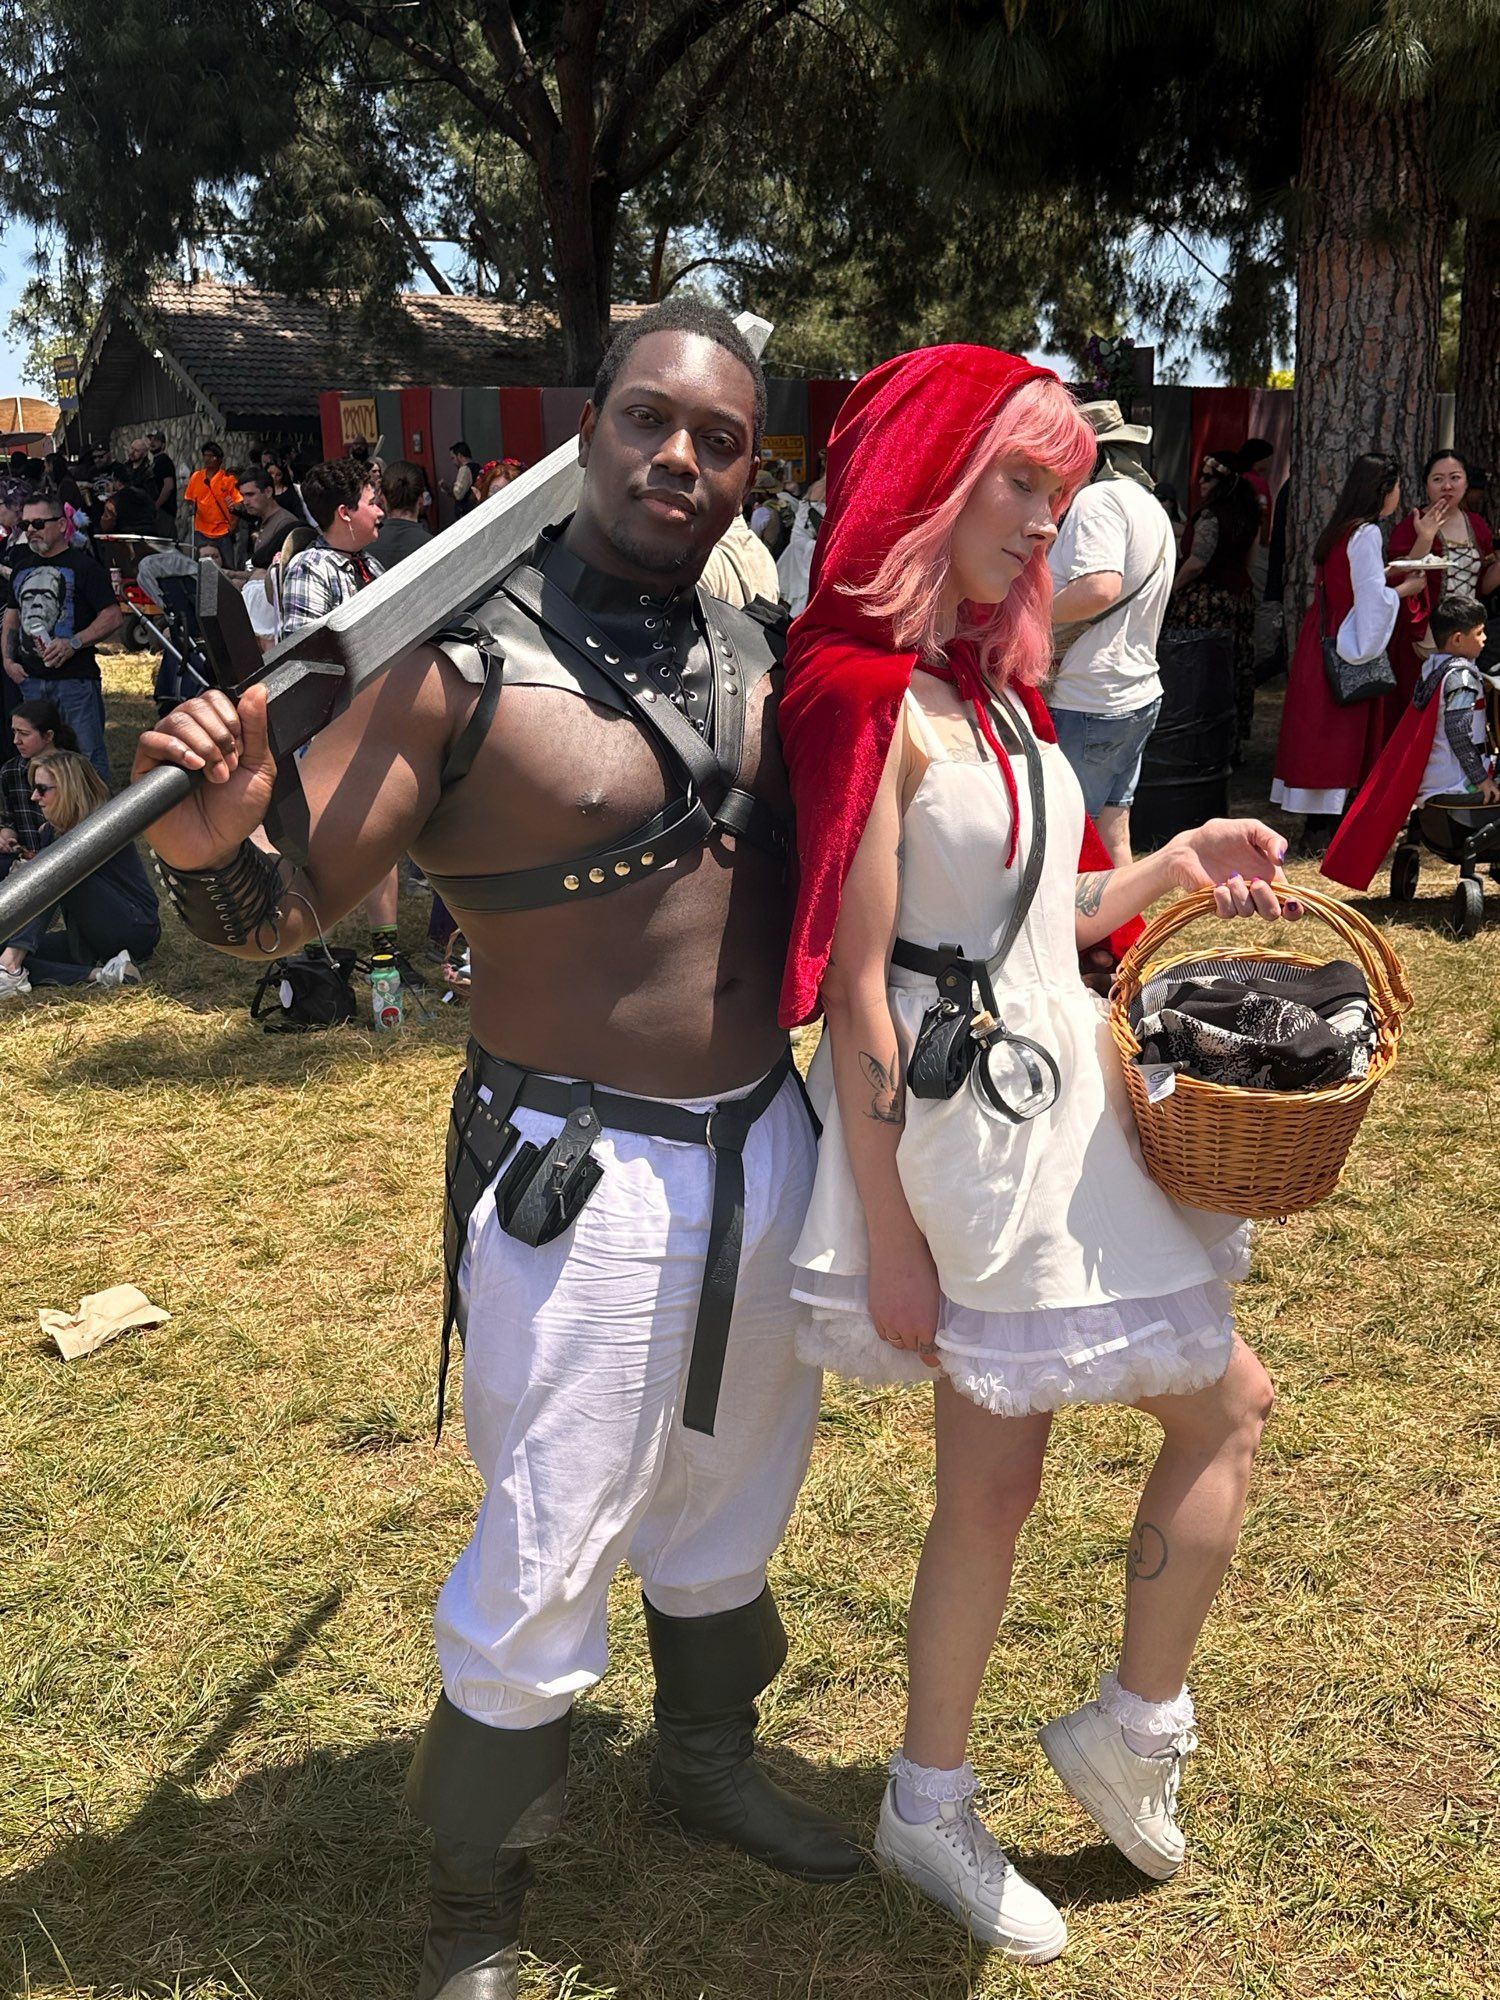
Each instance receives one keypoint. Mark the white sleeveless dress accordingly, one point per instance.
(1067, 1274)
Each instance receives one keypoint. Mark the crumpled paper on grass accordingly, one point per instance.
(101, 1317)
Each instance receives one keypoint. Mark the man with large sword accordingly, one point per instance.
(585, 764)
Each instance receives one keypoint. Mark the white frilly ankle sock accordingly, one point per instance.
(922, 1788)
(1149, 1727)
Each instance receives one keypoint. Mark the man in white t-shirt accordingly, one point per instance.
(1112, 568)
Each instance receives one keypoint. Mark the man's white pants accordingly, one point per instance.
(575, 1360)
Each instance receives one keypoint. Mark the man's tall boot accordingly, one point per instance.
(705, 1774)
(488, 1795)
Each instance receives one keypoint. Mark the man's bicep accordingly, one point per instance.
(372, 780)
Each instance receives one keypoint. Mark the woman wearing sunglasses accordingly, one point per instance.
(981, 1214)
(103, 928)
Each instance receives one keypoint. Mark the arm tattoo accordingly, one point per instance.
(1148, 1553)
(1090, 893)
(888, 1103)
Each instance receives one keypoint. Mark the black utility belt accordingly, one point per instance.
(543, 1189)
(963, 1039)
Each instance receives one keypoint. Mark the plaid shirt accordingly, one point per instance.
(316, 582)
(18, 810)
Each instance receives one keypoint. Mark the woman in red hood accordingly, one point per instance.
(981, 1211)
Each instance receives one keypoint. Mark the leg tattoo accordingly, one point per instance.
(1148, 1553)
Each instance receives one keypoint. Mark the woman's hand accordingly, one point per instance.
(905, 1298)
(1430, 523)
(1489, 793)
(1240, 860)
(230, 747)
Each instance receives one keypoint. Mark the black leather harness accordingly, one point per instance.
(710, 800)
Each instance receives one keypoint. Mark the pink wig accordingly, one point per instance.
(1040, 422)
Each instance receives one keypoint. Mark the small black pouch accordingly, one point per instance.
(543, 1190)
(944, 1052)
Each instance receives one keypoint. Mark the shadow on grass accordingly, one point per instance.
(243, 1054)
(1429, 912)
(306, 1880)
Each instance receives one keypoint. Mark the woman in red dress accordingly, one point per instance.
(1325, 751)
(1444, 527)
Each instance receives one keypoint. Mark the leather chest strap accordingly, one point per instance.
(692, 757)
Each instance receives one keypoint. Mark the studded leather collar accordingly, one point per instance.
(659, 629)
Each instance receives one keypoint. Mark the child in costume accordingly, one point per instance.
(1437, 752)
(981, 1214)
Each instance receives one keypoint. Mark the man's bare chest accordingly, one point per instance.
(558, 775)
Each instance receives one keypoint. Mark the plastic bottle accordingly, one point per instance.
(387, 1003)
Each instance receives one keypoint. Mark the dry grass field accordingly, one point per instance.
(221, 1541)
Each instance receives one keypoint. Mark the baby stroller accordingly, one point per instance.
(1457, 829)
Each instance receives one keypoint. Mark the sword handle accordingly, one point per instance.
(34, 886)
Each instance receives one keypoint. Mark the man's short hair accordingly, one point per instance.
(211, 445)
(337, 482)
(683, 316)
(255, 475)
(1455, 614)
(402, 484)
(462, 446)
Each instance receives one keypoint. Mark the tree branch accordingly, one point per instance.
(522, 81)
(645, 76)
(355, 14)
(714, 86)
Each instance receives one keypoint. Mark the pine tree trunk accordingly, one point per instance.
(584, 327)
(1476, 419)
(1369, 260)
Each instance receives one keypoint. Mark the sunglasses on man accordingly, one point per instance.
(35, 521)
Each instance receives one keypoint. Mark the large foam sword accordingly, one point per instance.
(315, 672)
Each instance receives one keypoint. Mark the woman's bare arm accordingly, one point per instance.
(868, 1071)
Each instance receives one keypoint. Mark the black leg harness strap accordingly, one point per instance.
(543, 1189)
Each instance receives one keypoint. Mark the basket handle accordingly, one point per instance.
(1379, 963)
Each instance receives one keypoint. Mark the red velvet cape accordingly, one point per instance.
(1374, 821)
(903, 437)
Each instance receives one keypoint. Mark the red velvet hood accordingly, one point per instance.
(902, 439)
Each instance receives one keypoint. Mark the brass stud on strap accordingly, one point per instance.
(596, 874)
(647, 859)
(622, 867)
(570, 881)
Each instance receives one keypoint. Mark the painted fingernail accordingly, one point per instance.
(1293, 905)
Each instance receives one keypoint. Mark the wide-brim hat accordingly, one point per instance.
(1109, 425)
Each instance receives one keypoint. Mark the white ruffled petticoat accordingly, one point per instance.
(1016, 1363)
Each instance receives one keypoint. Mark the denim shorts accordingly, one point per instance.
(1105, 752)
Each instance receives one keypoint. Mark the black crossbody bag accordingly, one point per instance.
(955, 1033)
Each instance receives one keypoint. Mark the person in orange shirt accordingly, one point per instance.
(213, 494)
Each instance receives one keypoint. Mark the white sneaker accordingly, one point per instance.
(13, 984)
(958, 1862)
(1134, 1799)
(121, 970)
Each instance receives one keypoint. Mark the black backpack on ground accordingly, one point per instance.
(312, 989)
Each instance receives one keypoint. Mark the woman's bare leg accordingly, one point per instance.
(989, 1471)
(1188, 1522)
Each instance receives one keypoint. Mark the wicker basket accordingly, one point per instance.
(1261, 1153)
